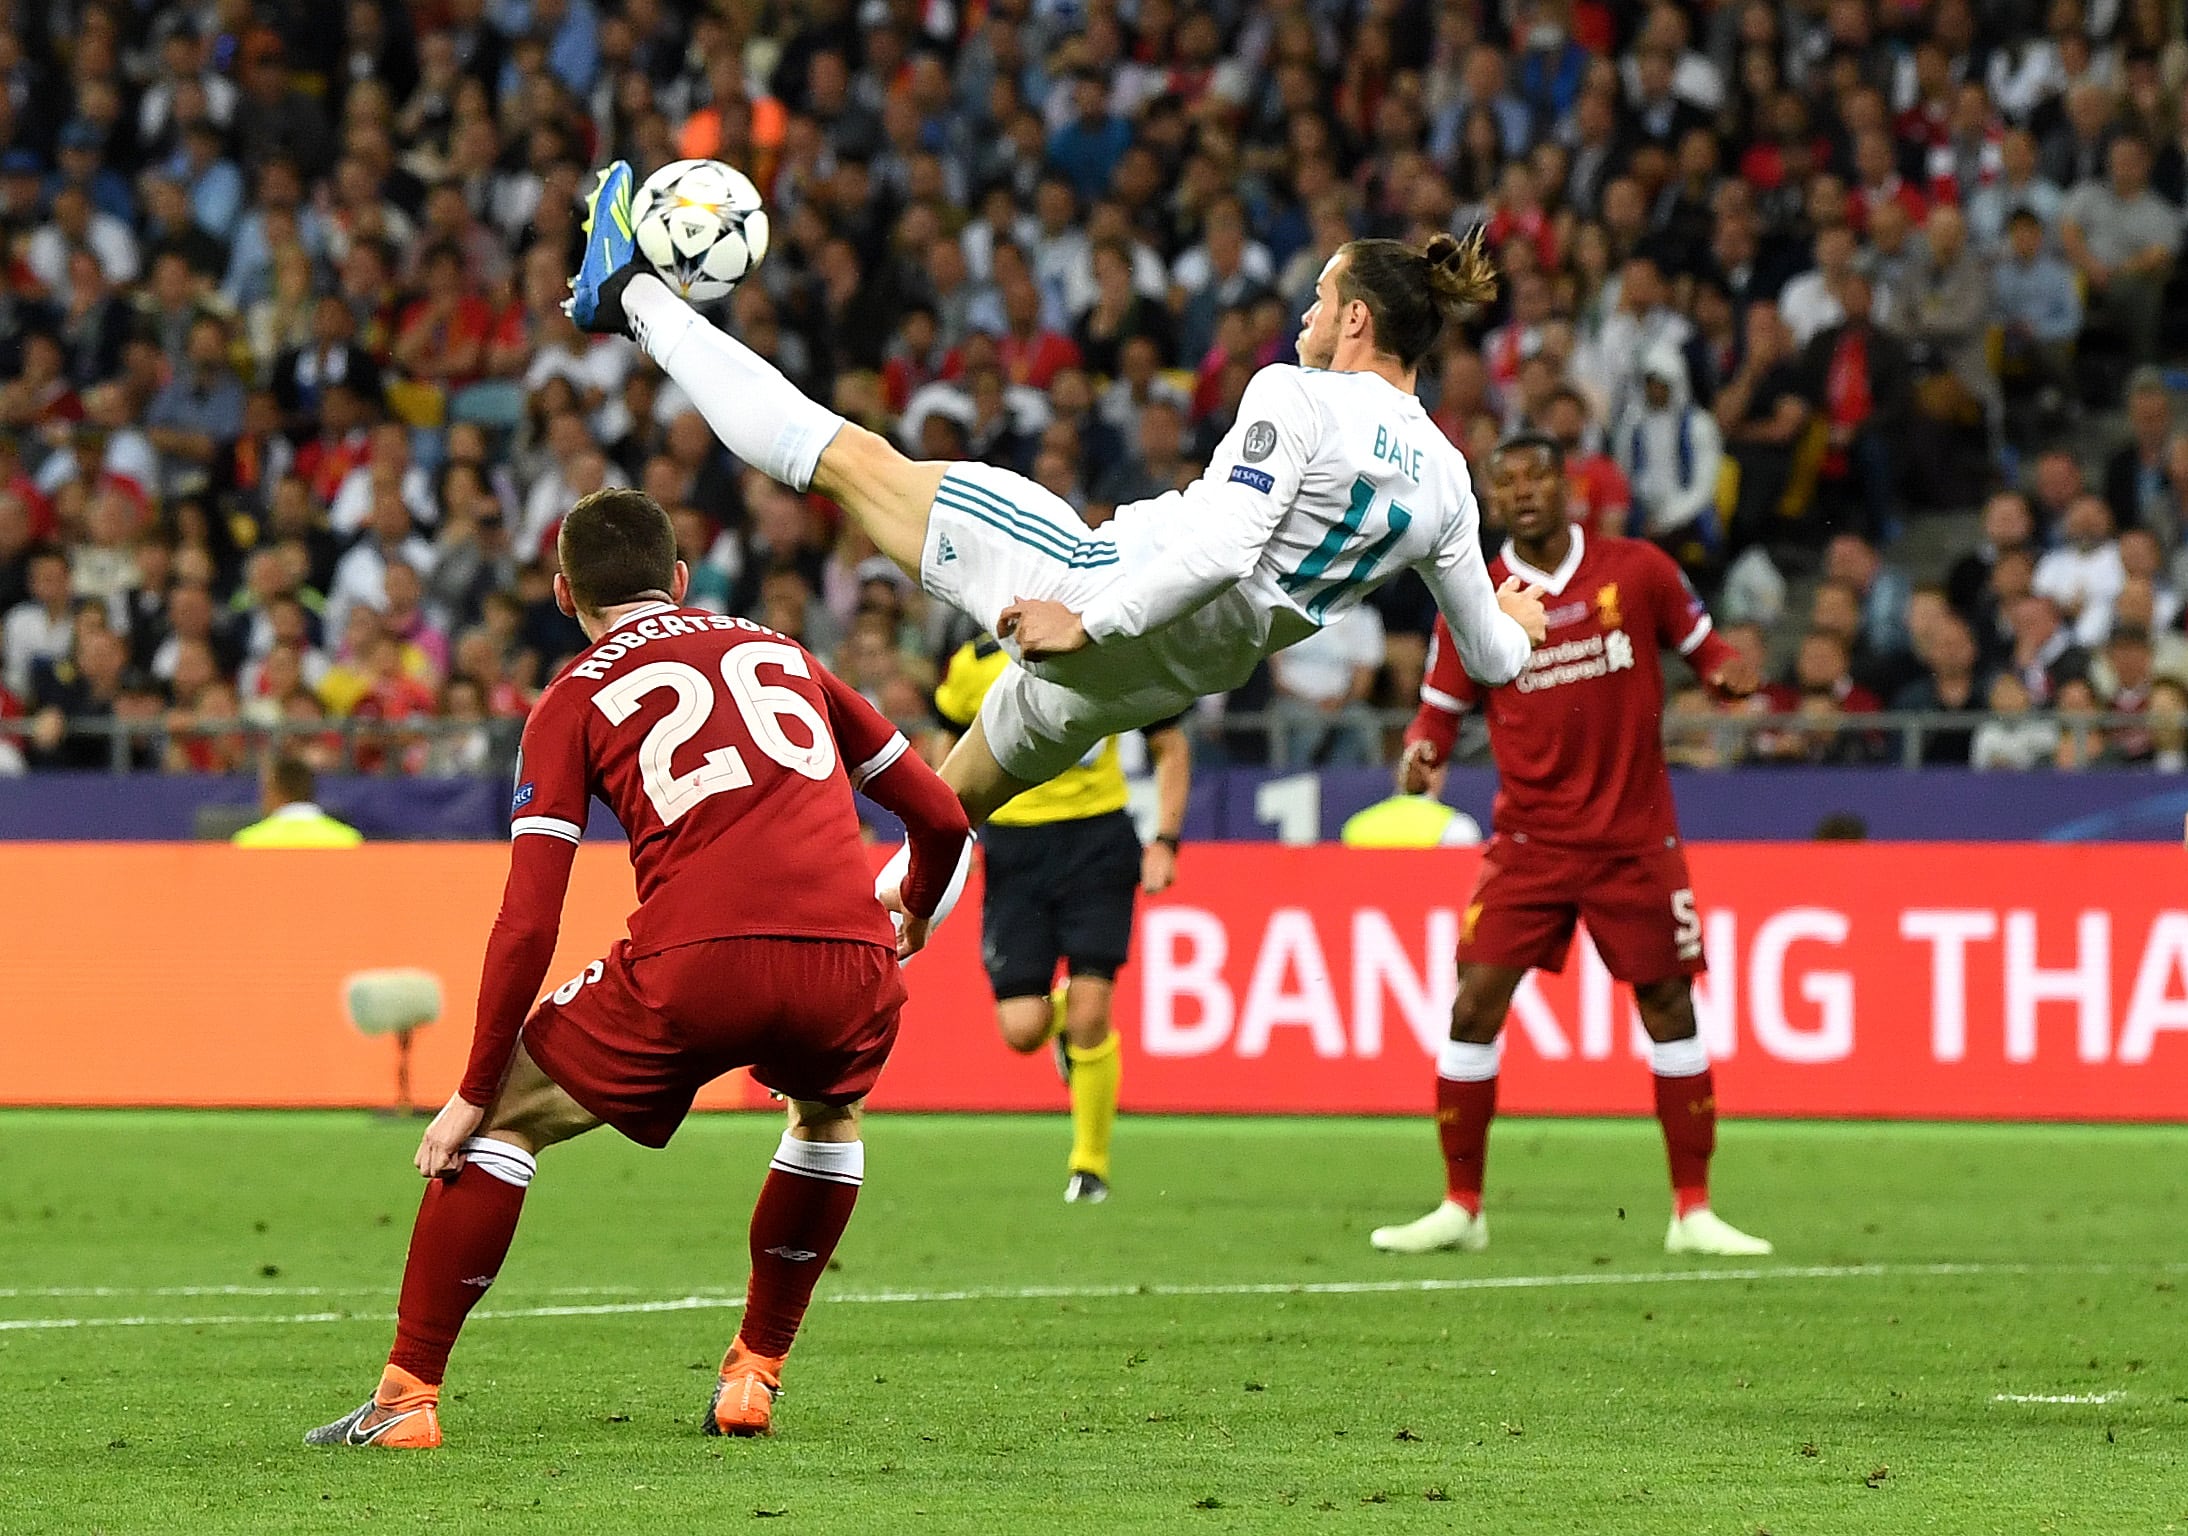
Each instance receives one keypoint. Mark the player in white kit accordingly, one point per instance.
(1332, 480)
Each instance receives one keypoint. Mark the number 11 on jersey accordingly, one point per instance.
(1338, 543)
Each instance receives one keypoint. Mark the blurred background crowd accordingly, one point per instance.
(1861, 308)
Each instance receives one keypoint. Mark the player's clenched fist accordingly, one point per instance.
(1420, 771)
(1737, 678)
(912, 931)
(1041, 628)
(1524, 603)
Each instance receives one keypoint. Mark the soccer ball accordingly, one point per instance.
(700, 225)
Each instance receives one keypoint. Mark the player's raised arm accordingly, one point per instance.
(1493, 633)
(552, 793)
(1229, 513)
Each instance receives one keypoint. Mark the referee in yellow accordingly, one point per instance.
(1064, 870)
(293, 818)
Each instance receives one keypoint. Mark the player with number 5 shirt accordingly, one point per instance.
(1585, 830)
(730, 756)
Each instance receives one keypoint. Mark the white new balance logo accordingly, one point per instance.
(794, 1255)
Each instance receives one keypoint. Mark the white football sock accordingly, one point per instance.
(511, 1165)
(1462, 1061)
(759, 415)
(839, 1162)
(1679, 1058)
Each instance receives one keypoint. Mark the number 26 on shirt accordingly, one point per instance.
(764, 707)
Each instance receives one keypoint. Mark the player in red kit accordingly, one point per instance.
(1584, 829)
(730, 757)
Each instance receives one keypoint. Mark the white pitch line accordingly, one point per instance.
(2057, 1397)
(728, 1302)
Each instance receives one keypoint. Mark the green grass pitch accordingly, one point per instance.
(986, 1359)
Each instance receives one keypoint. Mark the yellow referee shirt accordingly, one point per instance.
(1094, 786)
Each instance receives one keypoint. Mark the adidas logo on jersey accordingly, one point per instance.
(945, 551)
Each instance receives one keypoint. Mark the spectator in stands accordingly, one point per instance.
(2142, 563)
(2122, 238)
(200, 412)
(2137, 482)
(1860, 382)
(1157, 461)
(2020, 187)
(1321, 688)
(1642, 324)
(2082, 742)
(2083, 575)
(1882, 589)
(86, 689)
(1087, 147)
(2007, 524)
(2168, 712)
(1811, 302)
(387, 467)
(1669, 449)
(41, 628)
(2036, 303)
(2123, 674)
(2013, 737)
(360, 578)
(1951, 685)
(1597, 492)
(2043, 653)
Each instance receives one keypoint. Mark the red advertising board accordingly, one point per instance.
(2008, 981)
(1997, 981)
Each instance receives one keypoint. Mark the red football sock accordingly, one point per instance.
(1686, 1107)
(1466, 1101)
(796, 1223)
(463, 1232)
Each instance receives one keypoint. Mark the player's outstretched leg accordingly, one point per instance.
(464, 1227)
(1466, 1101)
(759, 415)
(1686, 1107)
(812, 1186)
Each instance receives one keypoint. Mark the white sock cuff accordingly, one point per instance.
(1463, 1061)
(839, 1162)
(759, 415)
(1678, 1058)
(498, 1159)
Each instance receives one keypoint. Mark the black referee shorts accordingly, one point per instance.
(1060, 891)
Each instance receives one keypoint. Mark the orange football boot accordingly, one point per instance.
(404, 1415)
(744, 1394)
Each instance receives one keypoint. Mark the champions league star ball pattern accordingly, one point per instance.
(699, 224)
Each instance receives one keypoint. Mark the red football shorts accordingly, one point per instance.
(634, 1040)
(1637, 903)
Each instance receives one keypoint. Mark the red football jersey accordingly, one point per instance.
(1578, 736)
(717, 744)
(730, 756)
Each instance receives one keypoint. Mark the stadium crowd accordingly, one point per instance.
(290, 411)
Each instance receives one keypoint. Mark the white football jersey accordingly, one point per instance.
(1327, 485)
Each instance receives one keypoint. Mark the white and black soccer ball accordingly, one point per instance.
(699, 224)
